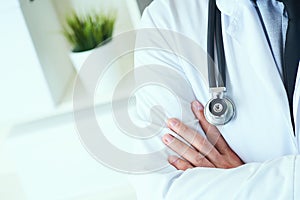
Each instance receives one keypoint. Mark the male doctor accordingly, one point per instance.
(254, 156)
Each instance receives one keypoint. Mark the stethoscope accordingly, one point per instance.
(219, 110)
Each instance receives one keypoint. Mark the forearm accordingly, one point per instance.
(269, 180)
(275, 179)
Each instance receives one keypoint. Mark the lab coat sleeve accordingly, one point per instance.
(276, 179)
(270, 180)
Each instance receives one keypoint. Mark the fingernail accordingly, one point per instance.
(173, 122)
(173, 159)
(197, 106)
(168, 138)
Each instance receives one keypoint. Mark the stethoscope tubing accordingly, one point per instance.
(214, 35)
(220, 109)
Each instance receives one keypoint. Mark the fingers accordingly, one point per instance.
(212, 133)
(212, 151)
(198, 110)
(195, 139)
(179, 163)
(191, 155)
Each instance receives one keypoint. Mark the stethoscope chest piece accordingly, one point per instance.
(219, 111)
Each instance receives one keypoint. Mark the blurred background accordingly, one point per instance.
(43, 45)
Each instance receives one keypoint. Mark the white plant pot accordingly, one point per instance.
(111, 77)
(78, 58)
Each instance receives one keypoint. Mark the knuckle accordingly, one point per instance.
(183, 165)
(183, 128)
(199, 160)
(225, 164)
(199, 144)
(202, 142)
(226, 151)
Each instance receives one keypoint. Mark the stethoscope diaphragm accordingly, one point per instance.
(219, 111)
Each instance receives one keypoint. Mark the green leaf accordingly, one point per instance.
(85, 32)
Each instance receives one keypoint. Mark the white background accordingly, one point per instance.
(41, 156)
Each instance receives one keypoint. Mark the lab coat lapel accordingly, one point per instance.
(241, 24)
(227, 7)
(244, 26)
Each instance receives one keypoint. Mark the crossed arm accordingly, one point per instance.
(276, 179)
(203, 167)
(208, 168)
(201, 173)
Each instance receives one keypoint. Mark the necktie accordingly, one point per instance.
(292, 49)
(273, 21)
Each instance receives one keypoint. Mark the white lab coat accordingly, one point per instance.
(261, 133)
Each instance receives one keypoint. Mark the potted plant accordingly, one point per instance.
(87, 32)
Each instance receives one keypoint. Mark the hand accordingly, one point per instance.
(212, 151)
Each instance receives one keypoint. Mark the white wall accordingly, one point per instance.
(24, 91)
(50, 45)
(49, 155)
